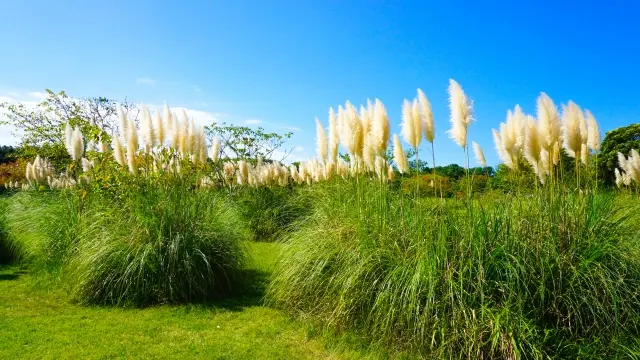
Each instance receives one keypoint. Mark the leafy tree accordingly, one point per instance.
(42, 128)
(242, 142)
(622, 139)
(7, 154)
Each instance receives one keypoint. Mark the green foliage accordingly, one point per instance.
(622, 139)
(242, 142)
(499, 277)
(7, 154)
(270, 211)
(44, 227)
(42, 127)
(6, 254)
(159, 245)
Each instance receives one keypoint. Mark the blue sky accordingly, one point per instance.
(285, 62)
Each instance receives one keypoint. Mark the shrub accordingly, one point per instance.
(510, 278)
(162, 244)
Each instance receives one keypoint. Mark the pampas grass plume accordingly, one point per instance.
(380, 128)
(548, 121)
(399, 156)
(411, 126)
(146, 128)
(428, 126)
(334, 137)
(571, 137)
(214, 154)
(479, 154)
(593, 132)
(118, 151)
(321, 141)
(159, 129)
(77, 143)
(461, 114)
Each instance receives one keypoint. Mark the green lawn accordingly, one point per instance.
(41, 322)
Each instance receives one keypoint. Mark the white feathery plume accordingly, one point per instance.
(504, 155)
(411, 133)
(619, 178)
(167, 119)
(68, 135)
(77, 144)
(461, 114)
(146, 128)
(571, 132)
(118, 151)
(334, 137)
(532, 145)
(380, 127)
(175, 132)
(584, 154)
(86, 165)
(593, 132)
(548, 122)
(426, 114)
(124, 121)
(214, 154)
(399, 156)
(159, 129)
(479, 154)
(183, 137)
(321, 141)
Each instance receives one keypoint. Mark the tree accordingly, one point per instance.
(622, 139)
(7, 154)
(242, 142)
(42, 128)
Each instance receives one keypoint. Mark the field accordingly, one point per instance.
(41, 322)
(173, 249)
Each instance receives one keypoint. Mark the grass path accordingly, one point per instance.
(38, 322)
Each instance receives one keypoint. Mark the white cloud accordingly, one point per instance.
(253, 121)
(145, 81)
(6, 135)
(38, 95)
(292, 128)
(200, 117)
(298, 149)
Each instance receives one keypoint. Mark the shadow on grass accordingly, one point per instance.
(250, 292)
(9, 277)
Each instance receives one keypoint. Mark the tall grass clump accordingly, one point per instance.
(535, 273)
(43, 227)
(502, 279)
(160, 245)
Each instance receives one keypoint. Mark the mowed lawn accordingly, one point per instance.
(40, 322)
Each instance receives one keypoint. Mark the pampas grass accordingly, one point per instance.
(399, 156)
(479, 154)
(321, 142)
(161, 245)
(504, 278)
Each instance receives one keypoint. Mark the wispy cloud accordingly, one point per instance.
(145, 81)
(253, 121)
(37, 95)
(291, 128)
(196, 88)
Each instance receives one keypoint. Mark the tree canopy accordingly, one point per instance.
(622, 139)
(41, 128)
